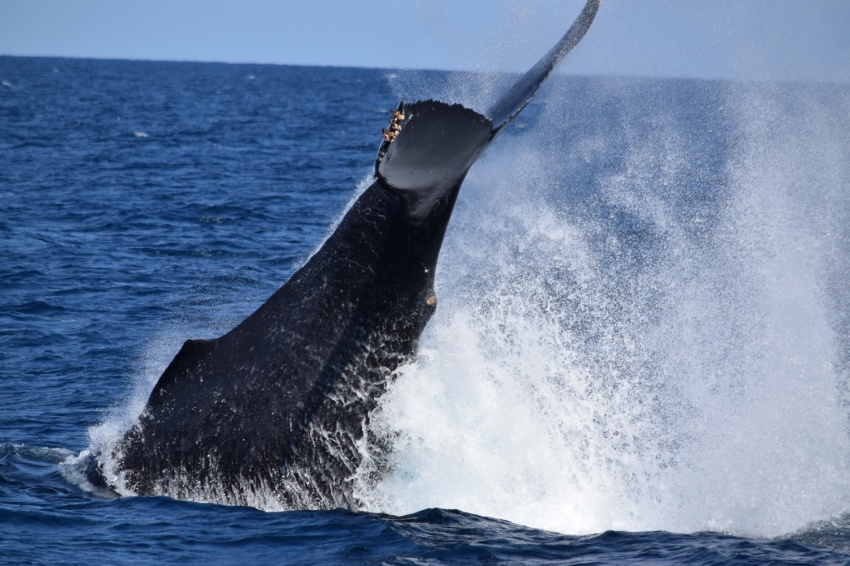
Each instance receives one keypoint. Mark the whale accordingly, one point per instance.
(280, 404)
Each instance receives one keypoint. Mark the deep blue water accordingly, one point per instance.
(144, 203)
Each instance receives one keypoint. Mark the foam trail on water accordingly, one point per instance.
(657, 344)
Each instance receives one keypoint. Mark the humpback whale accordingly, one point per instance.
(280, 402)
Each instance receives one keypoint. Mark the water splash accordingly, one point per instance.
(659, 344)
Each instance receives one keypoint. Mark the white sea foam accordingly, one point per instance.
(702, 388)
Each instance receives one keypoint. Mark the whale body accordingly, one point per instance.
(280, 403)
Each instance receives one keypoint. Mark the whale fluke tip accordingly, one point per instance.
(520, 94)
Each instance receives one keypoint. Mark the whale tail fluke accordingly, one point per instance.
(429, 146)
(428, 149)
(276, 407)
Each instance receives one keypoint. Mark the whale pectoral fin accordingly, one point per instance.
(520, 94)
(188, 361)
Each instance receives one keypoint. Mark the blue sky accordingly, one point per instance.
(800, 40)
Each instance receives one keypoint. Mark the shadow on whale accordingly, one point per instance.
(279, 404)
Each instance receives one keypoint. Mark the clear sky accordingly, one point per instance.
(800, 40)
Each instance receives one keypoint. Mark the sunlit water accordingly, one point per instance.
(642, 324)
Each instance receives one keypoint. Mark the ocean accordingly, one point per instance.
(641, 353)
